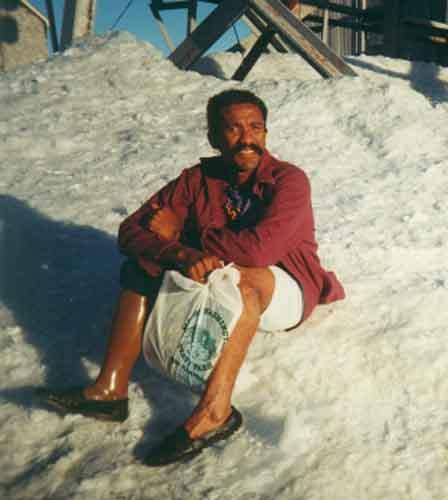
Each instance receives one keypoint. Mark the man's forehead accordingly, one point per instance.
(236, 111)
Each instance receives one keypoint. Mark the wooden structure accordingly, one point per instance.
(276, 23)
(23, 34)
(412, 29)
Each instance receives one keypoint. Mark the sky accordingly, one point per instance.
(138, 20)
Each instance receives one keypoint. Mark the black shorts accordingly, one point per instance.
(134, 278)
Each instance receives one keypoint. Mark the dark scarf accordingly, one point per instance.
(243, 208)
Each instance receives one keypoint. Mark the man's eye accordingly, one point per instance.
(232, 128)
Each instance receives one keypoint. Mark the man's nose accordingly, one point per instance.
(246, 136)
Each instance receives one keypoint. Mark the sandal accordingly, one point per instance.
(73, 401)
(179, 447)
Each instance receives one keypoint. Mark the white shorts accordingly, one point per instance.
(286, 307)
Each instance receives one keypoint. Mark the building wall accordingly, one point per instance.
(341, 40)
(23, 36)
(344, 41)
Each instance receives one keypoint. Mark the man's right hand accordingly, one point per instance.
(200, 269)
(192, 263)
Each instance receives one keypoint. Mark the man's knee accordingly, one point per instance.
(258, 285)
(135, 279)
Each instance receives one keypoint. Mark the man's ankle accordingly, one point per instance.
(103, 394)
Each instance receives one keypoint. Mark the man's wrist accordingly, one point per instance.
(179, 256)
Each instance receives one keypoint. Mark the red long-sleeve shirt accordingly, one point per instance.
(282, 236)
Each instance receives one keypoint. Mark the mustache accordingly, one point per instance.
(239, 147)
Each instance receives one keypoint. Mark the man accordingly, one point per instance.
(243, 206)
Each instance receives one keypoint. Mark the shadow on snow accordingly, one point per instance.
(60, 282)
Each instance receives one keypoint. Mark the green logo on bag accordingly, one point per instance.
(203, 337)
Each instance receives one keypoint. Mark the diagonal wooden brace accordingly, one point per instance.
(301, 39)
(206, 34)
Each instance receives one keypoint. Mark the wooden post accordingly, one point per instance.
(363, 33)
(392, 28)
(78, 20)
(326, 27)
(253, 56)
(192, 15)
(53, 31)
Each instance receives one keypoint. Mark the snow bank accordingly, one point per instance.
(352, 404)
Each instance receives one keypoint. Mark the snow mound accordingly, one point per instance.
(352, 404)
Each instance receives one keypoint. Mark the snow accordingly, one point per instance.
(349, 406)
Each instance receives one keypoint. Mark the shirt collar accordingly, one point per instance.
(263, 175)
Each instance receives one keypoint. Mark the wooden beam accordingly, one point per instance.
(252, 57)
(261, 27)
(301, 39)
(52, 21)
(162, 5)
(206, 34)
(435, 26)
(326, 27)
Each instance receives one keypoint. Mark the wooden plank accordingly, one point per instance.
(326, 27)
(261, 27)
(208, 32)
(437, 26)
(253, 56)
(301, 39)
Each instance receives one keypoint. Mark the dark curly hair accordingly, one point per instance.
(219, 102)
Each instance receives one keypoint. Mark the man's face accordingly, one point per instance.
(243, 136)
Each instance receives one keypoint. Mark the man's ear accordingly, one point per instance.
(213, 139)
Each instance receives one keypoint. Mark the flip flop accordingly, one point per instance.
(179, 447)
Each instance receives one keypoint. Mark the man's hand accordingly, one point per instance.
(192, 263)
(200, 269)
(166, 223)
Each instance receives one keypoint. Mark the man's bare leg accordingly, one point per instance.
(214, 408)
(123, 349)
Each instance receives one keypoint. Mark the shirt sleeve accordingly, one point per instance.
(287, 219)
(134, 236)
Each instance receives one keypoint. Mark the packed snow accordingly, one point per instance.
(352, 404)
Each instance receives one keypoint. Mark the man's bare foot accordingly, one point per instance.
(206, 419)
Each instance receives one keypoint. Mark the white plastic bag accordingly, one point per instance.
(190, 323)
